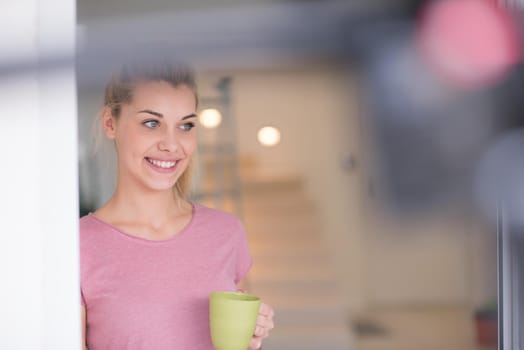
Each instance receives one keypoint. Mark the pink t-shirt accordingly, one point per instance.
(153, 295)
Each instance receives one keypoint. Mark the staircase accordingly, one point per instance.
(292, 269)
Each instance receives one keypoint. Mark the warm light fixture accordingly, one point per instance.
(268, 136)
(210, 118)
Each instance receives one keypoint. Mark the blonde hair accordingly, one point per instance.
(119, 90)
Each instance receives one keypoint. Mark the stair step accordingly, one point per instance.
(273, 267)
(305, 289)
(292, 270)
(303, 251)
(288, 238)
(286, 254)
(296, 231)
(260, 184)
(312, 314)
(290, 202)
(283, 227)
(285, 232)
(299, 280)
(300, 253)
(289, 246)
(329, 337)
(305, 301)
(303, 217)
(257, 239)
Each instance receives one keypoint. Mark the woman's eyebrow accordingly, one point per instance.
(189, 116)
(152, 112)
(160, 115)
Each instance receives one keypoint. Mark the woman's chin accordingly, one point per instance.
(165, 186)
(159, 184)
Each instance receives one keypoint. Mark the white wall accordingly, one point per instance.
(39, 297)
(417, 261)
(448, 258)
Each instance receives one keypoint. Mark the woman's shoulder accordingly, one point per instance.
(215, 215)
(86, 221)
(88, 224)
(88, 230)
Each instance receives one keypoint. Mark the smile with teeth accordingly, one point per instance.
(161, 163)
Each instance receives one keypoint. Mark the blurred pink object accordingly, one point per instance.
(469, 43)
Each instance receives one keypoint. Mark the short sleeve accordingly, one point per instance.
(244, 259)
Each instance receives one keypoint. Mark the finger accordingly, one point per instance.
(265, 322)
(261, 332)
(255, 344)
(266, 310)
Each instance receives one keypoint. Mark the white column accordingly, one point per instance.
(39, 292)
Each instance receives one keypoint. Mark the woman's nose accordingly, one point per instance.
(169, 142)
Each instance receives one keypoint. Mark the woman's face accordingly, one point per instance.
(154, 135)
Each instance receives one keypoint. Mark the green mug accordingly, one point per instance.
(232, 319)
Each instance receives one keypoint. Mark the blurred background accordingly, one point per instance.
(363, 143)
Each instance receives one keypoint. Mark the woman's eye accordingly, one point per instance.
(187, 126)
(151, 123)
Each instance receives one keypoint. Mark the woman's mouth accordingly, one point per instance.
(162, 164)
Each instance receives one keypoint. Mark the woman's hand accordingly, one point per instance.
(264, 325)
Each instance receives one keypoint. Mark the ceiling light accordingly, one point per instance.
(268, 136)
(210, 118)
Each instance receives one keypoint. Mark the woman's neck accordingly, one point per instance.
(154, 208)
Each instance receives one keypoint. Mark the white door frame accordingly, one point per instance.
(39, 257)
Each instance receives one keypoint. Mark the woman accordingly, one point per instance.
(149, 257)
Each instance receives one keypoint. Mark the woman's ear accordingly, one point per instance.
(108, 123)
